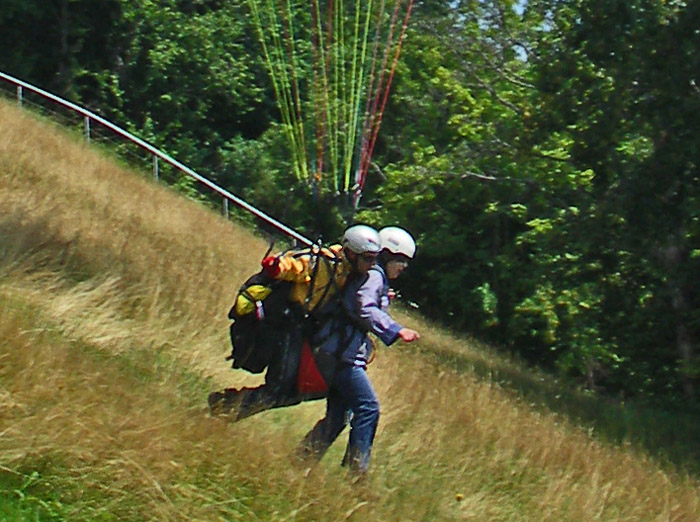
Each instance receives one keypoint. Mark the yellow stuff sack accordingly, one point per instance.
(246, 299)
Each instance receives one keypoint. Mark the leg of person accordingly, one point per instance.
(244, 402)
(287, 392)
(227, 401)
(324, 433)
(240, 403)
(280, 379)
(359, 396)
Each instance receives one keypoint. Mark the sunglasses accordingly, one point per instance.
(399, 260)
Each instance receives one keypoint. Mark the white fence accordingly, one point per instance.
(90, 119)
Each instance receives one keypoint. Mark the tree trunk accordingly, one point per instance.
(64, 67)
(674, 259)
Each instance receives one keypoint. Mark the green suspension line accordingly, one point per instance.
(325, 108)
(357, 76)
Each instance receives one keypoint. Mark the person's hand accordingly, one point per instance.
(391, 294)
(408, 335)
(271, 266)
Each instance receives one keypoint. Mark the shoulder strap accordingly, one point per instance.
(355, 321)
(331, 265)
(378, 268)
(312, 284)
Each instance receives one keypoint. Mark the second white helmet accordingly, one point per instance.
(398, 241)
(362, 239)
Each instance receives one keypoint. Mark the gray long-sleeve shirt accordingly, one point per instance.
(365, 301)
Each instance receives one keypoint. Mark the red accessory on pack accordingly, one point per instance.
(271, 266)
(309, 378)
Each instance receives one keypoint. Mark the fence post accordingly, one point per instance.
(87, 128)
(226, 208)
(155, 167)
(19, 95)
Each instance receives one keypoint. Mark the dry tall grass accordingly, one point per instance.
(114, 292)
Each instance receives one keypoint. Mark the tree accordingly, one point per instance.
(606, 88)
(58, 43)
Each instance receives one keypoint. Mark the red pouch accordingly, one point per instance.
(309, 378)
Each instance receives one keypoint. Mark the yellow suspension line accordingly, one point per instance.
(357, 77)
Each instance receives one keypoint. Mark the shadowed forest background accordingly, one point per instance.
(543, 153)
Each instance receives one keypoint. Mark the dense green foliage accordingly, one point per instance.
(543, 152)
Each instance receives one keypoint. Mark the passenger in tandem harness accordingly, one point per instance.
(351, 398)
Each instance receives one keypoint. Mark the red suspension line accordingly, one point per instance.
(372, 115)
(375, 130)
(370, 89)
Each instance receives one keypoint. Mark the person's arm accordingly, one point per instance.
(371, 314)
(408, 335)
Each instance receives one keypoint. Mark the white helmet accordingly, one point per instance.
(397, 241)
(361, 239)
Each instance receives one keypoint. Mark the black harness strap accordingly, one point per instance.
(331, 266)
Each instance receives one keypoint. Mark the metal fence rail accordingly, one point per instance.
(89, 118)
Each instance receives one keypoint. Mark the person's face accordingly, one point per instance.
(365, 262)
(395, 267)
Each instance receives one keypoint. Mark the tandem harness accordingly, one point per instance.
(263, 306)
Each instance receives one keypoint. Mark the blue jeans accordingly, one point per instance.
(351, 398)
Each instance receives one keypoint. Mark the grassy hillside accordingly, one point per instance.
(114, 292)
